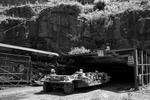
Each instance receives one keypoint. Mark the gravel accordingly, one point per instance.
(108, 92)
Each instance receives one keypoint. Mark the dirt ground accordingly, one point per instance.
(104, 92)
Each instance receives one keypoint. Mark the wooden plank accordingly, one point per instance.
(142, 64)
(149, 69)
(136, 82)
(146, 69)
(10, 73)
(17, 61)
(5, 55)
(14, 81)
(122, 50)
(58, 82)
(144, 74)
(142, 67)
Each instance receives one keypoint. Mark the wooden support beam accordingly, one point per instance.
(142, 59)
(136, 82)
(143, 64)
(145, 74)
(149, 68)
(146, 68)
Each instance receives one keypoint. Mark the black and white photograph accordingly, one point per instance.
(74, 49)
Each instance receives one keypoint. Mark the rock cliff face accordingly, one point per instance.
(17, 26)
(60, 27)
(124, 30)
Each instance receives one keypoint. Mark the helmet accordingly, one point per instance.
(81, 70)
(53, 70)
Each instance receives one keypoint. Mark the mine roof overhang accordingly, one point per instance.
(88, 59)
(111, 57)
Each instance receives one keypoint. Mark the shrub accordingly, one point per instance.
(77, 50)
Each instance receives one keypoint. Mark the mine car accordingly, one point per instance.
(77, 80)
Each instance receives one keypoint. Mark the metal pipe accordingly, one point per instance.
(28, 49)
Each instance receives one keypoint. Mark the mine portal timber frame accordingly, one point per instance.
(141, 64)
(141, 68)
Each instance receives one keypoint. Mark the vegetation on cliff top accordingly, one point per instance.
(114, 8)
(88, 11)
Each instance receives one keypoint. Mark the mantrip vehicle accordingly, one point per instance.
(77, 80)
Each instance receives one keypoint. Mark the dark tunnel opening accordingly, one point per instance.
(121, 73)
(118, 69)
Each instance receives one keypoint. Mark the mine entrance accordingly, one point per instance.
(139, 59)
(125, 65)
